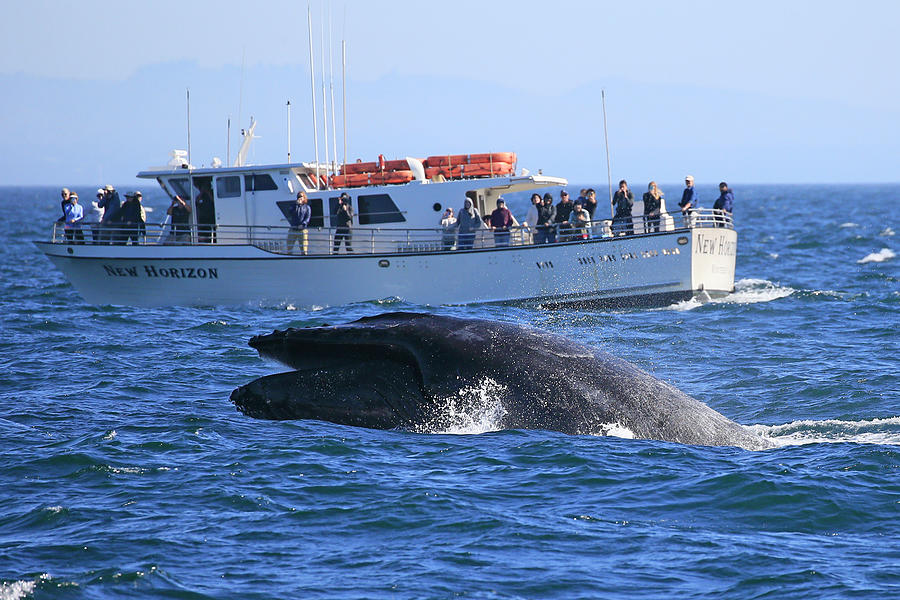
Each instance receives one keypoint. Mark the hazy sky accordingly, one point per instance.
(761, 91)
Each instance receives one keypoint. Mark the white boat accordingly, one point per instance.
(241, 257)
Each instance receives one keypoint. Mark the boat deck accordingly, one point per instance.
(325, 241)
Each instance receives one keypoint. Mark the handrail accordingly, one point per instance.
(380, 240)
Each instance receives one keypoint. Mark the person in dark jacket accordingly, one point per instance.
(690, 201)
(623, 200)
(546, 223)
(180, 211)
(206, 213)
(109, 223)
(563, 212)
(652, 207)
(501, 221)
(343, 221)
(298, 217)
(724, 204)
(66, 196)
(131, 221)
(590, 202)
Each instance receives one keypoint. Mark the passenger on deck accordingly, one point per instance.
(66, 195)
(298, 217)
(131, 218)
(546, 224)
(343, 222)
(206, 214)
(109, 222)
(467, 224)
(690, 201)
(581, 222)
(448, 230)
(531, 218)
(590, 202)
(74, 214)
(563, 212)
(724, 204)
(652, 207)
(623, 200)
(180, 211)
(582, 196)
(501, 221)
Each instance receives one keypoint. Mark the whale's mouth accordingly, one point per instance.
(379, 394)
(336, 378)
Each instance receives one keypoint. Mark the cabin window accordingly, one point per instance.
(316, 217)
(228, 187)
(180, 187)
(377, 208)
(259, 183)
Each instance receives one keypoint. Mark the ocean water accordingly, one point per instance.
(126, 472)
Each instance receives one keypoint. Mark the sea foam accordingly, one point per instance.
(798, 433)
(880, 256)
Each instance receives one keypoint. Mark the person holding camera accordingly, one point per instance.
(343, 220)
(180, 211)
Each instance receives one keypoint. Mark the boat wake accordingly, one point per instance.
(799, 433)
(746, 291)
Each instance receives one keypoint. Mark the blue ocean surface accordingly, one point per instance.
(126, 472)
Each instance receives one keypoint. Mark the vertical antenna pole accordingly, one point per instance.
(606, 139)
(331, 85)
(189, 124)
(241, 89)
(312, 89)
(324, 90)
(228, 142)
(344, 91)
(289, 129)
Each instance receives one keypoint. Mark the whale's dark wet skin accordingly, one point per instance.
(397, 369)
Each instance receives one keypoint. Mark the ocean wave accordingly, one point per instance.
(16, 590)
(880, 256)
(886, 232)
(848, 225)
(798, 433)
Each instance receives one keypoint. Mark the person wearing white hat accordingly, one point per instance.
(690, 201)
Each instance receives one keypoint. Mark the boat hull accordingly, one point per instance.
(641, 270)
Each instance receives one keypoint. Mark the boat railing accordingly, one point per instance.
(373, 240)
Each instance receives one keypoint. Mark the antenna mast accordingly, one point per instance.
(241, 88)
(344, 92)
(189, 124)
(312, 89)
(606, 138)
(331, 83)
(324, 89)
(289, 129)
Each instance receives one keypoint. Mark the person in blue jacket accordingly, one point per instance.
(298, 217)
(690, 201)
(724, 204)
(74, 214)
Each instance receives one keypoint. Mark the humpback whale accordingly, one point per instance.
(396, 371)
